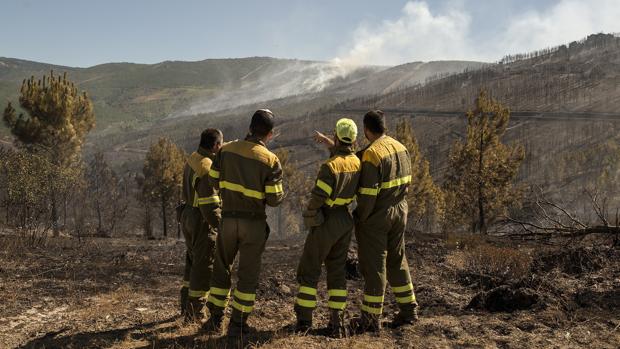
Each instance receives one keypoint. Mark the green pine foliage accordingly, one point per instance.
(57, 118)
(163, 176)
(479, 182)
(425, 199)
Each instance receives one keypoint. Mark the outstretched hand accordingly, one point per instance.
(323, 139)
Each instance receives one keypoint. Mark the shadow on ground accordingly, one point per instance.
(148, 333)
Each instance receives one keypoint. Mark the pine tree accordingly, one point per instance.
(57, 119)
(479, 182)
(425, 198)
(163, 174)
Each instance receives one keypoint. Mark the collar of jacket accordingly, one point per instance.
(254, 139)
(376, 140)
(341, 149)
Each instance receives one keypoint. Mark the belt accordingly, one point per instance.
(244, 215)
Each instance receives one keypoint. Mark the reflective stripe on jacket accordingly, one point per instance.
(197, 192)
(248, 175)
(385, 176)
(337, 180)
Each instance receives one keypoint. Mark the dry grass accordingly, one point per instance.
(122, 293)
(504, 263)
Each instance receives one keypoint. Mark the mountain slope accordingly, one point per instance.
(131, 96)
(136, 93)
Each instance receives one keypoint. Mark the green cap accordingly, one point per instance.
(346, 130)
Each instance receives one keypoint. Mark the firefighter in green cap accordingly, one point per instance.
(330, 225)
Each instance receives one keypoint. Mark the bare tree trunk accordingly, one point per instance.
(54, 217)
(64, 200)
(99, 218)
(7, 206)
(163, 212)
(176, 220)
(481, 217)
(148, 229)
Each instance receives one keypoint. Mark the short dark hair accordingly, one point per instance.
(262, 123)
(374, 121)
(210, 137)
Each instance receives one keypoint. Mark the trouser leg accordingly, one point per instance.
(308, 273)
(187, 270)
(336, 275)
(342, 229)
(371, 237)
(225, 252)
(252, 238)
(202, 263)
(397, 266)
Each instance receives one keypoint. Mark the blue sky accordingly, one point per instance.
(85, 33)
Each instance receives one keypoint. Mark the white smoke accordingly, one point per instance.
(421, 35)
(418, 35)
(269, 82)
(566, 21)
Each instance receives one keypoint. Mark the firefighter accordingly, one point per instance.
(330, 222)
(200, 219)
(248, 176)
(381, 217)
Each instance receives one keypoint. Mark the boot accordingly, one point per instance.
(336, 327)
(239, 329)
(184, 296)
(194, 310)
(303, 326)
(365, 323)
(405, 317)
(213, 325)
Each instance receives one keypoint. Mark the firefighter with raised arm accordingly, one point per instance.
(330, 223)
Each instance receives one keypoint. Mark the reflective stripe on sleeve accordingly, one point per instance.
(274, 189)
(215, 174)
(215, 199)
(324, 186)
(369, 191)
